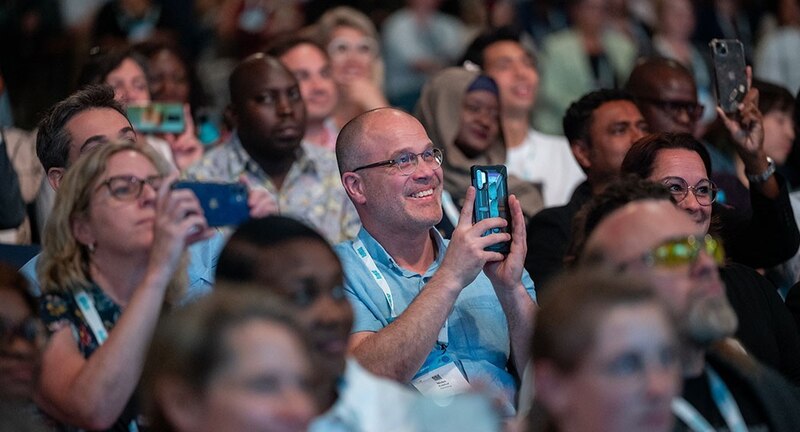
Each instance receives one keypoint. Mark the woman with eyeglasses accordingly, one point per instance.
(113, 255)
(356, 65)
(682, 164)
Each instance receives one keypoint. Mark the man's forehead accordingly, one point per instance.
(616, 111)
(639, 226)
(505, 48)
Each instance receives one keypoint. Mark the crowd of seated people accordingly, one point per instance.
(639, 275)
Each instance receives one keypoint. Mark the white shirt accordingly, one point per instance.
(547, 160)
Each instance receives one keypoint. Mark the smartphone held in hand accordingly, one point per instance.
(729, 72)
(491, 200)
(223, 203)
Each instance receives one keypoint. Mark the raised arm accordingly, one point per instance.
(91, 393)
(399, 350)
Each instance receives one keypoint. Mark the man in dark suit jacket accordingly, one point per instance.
(600, 127)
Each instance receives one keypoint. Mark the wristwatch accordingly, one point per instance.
(761, 178)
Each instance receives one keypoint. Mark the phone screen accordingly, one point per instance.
(491, 199)
(157, 117)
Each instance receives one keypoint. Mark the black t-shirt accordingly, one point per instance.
(698, 393)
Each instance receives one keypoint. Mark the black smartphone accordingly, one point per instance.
(491, 200)
(223, 203)
(157, 117)
(729, 73)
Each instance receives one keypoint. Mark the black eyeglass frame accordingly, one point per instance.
(153, 181)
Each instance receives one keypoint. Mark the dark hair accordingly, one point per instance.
(772, 97)
(617, 194)
(12, 280)
(238, 261)
(643, 76)
(578, 117)
(573, 307)
(475, 50)
(191, 344)
(53, 139)
(101, 63)
(146, 50)
(642, 155)
(285, 43)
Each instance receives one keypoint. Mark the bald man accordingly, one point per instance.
(654, 239)
(443, 316)
(266, 150)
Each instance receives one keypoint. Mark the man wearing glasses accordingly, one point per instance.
(634, 227)
(761, 218)
(442, 316)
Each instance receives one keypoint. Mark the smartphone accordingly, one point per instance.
(491, 200)
(157, 117)
(223, 203)
(729, 73)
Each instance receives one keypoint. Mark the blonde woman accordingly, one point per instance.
(352, 44)
(113, 252)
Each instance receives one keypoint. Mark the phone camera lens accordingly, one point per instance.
(723, 50)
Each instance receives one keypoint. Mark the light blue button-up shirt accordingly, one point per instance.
(477, 327)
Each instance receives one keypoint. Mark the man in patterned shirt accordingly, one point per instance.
(266, 150)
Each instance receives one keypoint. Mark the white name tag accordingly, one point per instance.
(446, 380)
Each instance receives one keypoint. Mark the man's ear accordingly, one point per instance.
(354, 186)
(582, 152)
(178, 404)
(552, 388)
(54, 177)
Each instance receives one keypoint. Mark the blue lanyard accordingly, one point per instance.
(442, 340)
(722, 398)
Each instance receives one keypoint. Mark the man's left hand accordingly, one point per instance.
(508, 272)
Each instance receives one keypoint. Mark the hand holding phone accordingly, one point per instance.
(729, 73)
(491, 200)
(223, 203)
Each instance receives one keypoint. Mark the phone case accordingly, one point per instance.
(157, 117)
(491, 199)
(223, 203)
(729, 73)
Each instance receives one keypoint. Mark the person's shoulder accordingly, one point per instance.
(560, 39)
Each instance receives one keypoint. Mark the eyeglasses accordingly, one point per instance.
(365, 46)
(705, 191)
(684, 250)
(674, 107)
(30, 330)
(129, 188)
(407, 163)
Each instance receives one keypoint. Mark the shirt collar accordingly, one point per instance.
(305, 160)
(379, 254)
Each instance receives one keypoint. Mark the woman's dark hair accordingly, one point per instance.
(642, 155)
(102, 62)
(772, 97)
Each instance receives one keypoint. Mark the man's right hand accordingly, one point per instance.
(465, 256)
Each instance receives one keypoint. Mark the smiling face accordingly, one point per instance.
(629, 377)
(693, 291)
(352, 54)
(309, 275)
(613, 128)
(265, 385)
(129, 83)
(687, 165)
(268, 110)
(480, 122)
(116, 226)
(388, 200)
(312, 70)
(512, 68)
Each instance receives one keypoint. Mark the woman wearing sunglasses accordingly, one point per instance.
(683, 165)
(113, 254)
